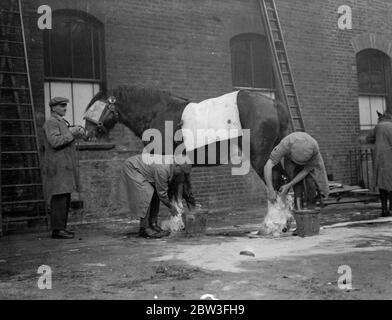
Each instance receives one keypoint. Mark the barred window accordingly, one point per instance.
(251, 61)
(74, 60)
(73, 48)
(374, 85)
(373, 72)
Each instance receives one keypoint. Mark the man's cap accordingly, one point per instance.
(57, 100)
(303, 150)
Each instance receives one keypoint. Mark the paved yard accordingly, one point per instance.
(108, 261)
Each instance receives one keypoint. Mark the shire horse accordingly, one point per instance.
(140, 108)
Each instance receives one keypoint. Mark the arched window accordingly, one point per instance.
(74, 60)
(374, 76)
(251, 62)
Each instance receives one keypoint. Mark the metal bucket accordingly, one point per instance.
(196, 222)
(308, 222)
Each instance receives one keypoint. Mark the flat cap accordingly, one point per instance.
(57, 100)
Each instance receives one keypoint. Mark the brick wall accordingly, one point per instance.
(324, 66)
(183, 46)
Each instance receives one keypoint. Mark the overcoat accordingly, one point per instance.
(381, 135)
(60, 164)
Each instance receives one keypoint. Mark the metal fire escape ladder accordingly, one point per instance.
(281, 62)
(22, 193)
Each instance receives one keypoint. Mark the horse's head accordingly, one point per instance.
(101, 115)
(384, 116)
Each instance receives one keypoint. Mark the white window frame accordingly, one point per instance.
(368, 107)
(78, 93)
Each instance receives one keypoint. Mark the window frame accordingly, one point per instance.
(386, 70)
(367, 55)
(250, 39)
(93, 23)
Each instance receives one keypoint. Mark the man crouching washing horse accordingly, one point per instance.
(146, 181)
(299, 156)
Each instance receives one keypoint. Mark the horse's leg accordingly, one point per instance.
(240, 155)
(259, 115)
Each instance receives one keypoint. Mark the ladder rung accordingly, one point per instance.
(19, 152)
(22, 202)
(14, 104)
(280, 51)
(11, 41)
(10, 120)
(18, 135)
(291, 94)
(12, 57)
(289, 84)
(13, 27)
(11, 11)
(22, 185)
(19, 169)
(13, 72)
(14, 88)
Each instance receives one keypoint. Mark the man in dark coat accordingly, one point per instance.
(381, 135)
(60, 166)
(145, 182)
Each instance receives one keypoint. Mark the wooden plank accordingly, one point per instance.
(344, 189)
(346, 200)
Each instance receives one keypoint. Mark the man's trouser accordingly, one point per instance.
(305, 190)
(59, 208)
(152, 212)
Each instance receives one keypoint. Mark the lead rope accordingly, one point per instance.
(77, 156)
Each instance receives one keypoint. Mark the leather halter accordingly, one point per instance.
(109, 106)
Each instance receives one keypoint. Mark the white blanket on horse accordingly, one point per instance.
(211, 120)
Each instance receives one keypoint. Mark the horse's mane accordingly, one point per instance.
(146, 96)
